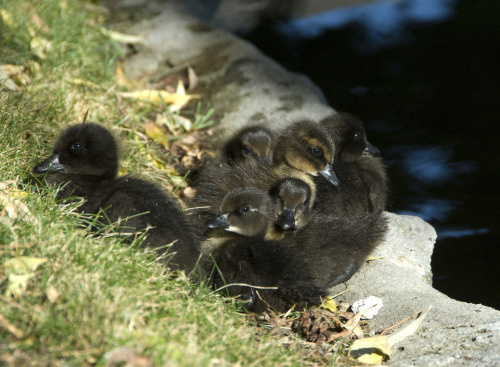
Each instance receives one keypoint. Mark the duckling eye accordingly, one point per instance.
(316, 151)
(245, 209)
(358, 135)
(77, 146)
(247, 151)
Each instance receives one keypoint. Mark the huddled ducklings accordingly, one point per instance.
(278, 220)
(85, 161)
(301, 267)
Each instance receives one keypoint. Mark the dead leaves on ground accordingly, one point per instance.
(320, 326)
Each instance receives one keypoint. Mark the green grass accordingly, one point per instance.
(94, 293)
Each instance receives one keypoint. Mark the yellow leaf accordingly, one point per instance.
(14, 207)
(174, 100)
(122, 37)
(155, 133)
(17, 284)
(373, 258)
(20, 270)
(407, 330)
(181, 91)
(23, 264)
(7, 18)
(373, 358)
(121, 79)
(40, 46)
(6, 82)
(87, 83)
(330, 305)
(378, 345)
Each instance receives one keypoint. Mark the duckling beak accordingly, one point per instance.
(373, 150)
(330, 175)
(51, 164)
(286, 219)
(218, 222)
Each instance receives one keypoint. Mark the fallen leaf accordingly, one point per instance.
(330, 305)
(20, 270)
(17, 284)
(7, 18)
(373, 258)
(407, 330)
(23, 264)
(175, 100)
(14, 207)
(52, 294)
(85, 82)
(122, 37)
(193, 79)
(40, 47)
(156, 133)
(375, 349)
(6, 82)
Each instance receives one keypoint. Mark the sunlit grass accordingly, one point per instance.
(94, 293)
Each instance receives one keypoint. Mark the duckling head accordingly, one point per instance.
(349, 135)
(246, 211)
(307, 147)
(296, 198)
(252, 143)
(84, 149)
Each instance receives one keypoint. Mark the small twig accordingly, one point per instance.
(400, 322)
(242, 285)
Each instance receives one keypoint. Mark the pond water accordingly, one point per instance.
(424, 75)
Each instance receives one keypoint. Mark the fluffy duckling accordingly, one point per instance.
(363, 175)
(296, 198)
(244, 211)
(306, 146)
(250, 144)
(85, 160)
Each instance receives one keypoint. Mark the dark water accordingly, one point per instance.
(425, 78)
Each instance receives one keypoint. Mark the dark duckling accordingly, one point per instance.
(85, 160)
(363, 176)
(296, 199)
(244, 211)
(307, 147)
(254, 144)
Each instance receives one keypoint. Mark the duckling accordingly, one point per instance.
(363, 175)
(85, 160)
(244, 211)
(296, 198)
(250, 144)
(306, 146)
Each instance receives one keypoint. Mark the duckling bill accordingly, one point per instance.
(85, 160)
